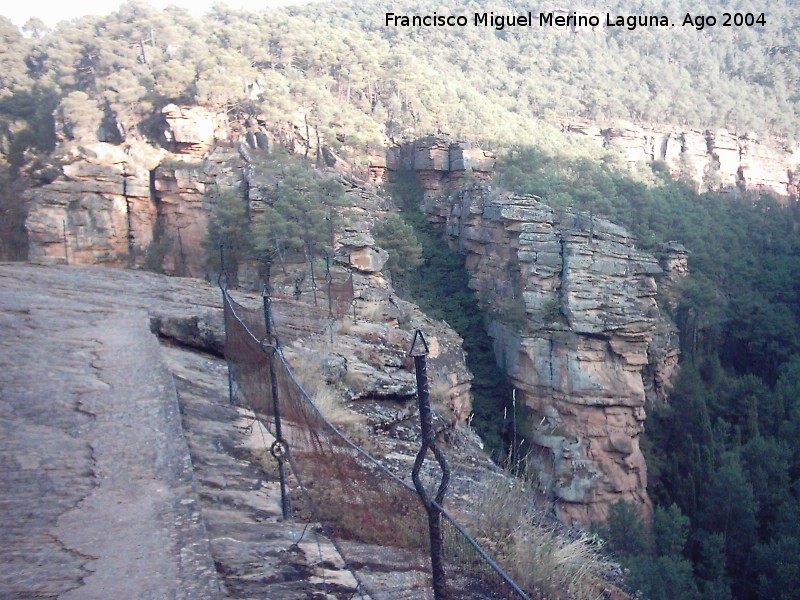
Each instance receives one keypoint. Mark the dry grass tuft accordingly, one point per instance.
(441, 391)
(535, 554)
(327, 399)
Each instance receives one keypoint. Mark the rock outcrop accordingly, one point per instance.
(714, 159)
(184, 198)
(193, 130)
(99, 210)
(436, 161)
(574, 317)
(126, 205)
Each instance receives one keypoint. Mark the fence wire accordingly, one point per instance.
(375, 519)
(307, 310)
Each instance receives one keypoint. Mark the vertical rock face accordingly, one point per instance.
(712, 158)
(193, 130)
(185, 196)
(98, 211)
(674, 260)
(436, 161)
(113, 203)
(575, 315)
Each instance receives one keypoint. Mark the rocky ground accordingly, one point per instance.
(99, 497)
(127, 472)
(105, 496)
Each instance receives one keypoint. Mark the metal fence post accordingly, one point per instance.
(313, 279)
(279, 447)
(434, 516)
(329, 280)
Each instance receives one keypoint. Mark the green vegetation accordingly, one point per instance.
(724, 452)
(337, 73)
(299, 215)
(229, 227)
(398, 238)
(657, 564)
(296, 221)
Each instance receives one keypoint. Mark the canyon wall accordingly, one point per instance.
(148, 203)
(113, 202)
(714, 159)
(140, 205)
(574, 319)
(574, 314)
(136, 203)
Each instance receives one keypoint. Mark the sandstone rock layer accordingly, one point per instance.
(712, 158)
(574, 316)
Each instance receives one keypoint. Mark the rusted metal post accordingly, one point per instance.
(329, 279)
(279, 447)
(313, 280)
(420, 353)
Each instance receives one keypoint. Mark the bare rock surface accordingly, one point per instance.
(102, 496)
(711, 158)
(111, 492)
(257, 553)
(98, 492)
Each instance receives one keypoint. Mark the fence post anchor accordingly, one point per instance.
(280, 448)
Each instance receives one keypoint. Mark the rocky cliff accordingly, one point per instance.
(135, 203)
(575, 320)
(714, 159)
(112, 203)
(574, 316)
(148, 202)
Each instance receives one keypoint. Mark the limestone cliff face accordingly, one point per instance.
(574, 315)
(712, 158)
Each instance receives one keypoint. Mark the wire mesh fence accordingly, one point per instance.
(469, 571)
(374, 518)
(311, 309)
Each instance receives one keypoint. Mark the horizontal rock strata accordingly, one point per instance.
(574, 319)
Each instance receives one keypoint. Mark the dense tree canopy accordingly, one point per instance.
(340, 67)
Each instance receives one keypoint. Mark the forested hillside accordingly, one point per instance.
(336, 68)
(339, 67)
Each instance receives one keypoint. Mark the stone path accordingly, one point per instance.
(98, 492)
(102, 497)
